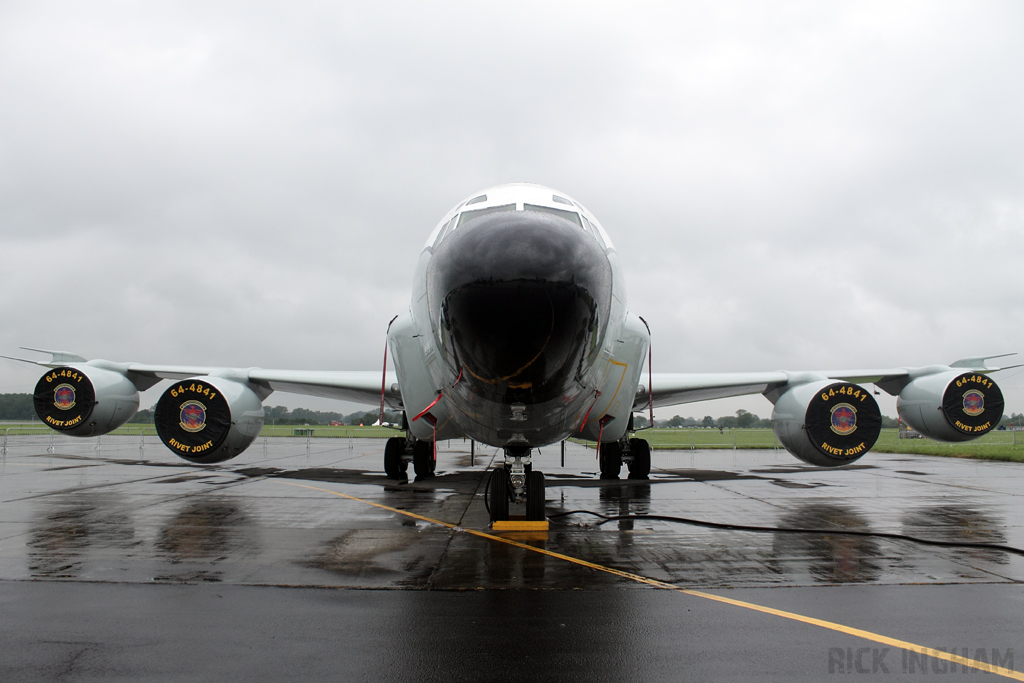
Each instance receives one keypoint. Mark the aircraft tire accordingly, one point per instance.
(423, 459)
(640, 467)
(497, 495)
(394, 466)
(535, 510)
(610, 459)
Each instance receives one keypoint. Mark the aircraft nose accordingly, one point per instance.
(519, 302)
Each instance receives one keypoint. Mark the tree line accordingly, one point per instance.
(19, 407)
(279, 415)
(747, 420)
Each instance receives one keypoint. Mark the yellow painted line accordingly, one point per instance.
(868, 635)
(520, 525)
(831, 625)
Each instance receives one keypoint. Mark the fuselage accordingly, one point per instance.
(518, 334)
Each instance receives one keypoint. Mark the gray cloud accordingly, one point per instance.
(790, 186)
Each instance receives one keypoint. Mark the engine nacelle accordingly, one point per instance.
(951, 406)
(207, 420)
(827, 423)
(85, 401)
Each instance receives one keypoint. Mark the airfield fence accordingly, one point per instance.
(734, 439)
(40, 436)
(703, 439)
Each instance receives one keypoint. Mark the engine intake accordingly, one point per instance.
(951, 406)
(207, 420)
(827, 423)
(84, 400)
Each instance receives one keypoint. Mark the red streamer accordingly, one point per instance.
(384, 372)
(597, 395)
(650, 373)
(424, 411)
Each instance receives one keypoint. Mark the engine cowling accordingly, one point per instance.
(81, 400)
(827, 423)
(207, 420)
(951, 406)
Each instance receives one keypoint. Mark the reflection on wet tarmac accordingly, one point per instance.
(202, 533)
(625, 499)
(506, 565)
(961, 522)
(378, 557)
(69, 526)
(275, 521)
(827, 558)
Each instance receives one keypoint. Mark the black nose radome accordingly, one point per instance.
(519, 301)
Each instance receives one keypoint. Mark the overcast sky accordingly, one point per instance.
(790, 185)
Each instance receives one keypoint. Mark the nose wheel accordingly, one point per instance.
(498, 495)
(516, 483)
(535, 497)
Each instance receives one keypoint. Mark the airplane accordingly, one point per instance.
(518, 336)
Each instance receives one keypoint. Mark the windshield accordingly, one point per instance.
(470, 215)
(570, 216)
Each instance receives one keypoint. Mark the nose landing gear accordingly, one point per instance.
(516, 483)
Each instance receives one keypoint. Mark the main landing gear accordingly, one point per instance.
(399, 452)
(636, 453)
(516, 482)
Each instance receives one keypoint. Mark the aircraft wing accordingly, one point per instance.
(672, 388)
(669, 388)
(355, 386)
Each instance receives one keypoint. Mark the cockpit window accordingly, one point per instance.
(470, 215)
(477, 200)
(570, 216)
(594, 231)
(444, 231)
(560, 200)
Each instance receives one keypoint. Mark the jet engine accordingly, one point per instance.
(84, 400)
(827, 423)
(951, 406)
(207, 420)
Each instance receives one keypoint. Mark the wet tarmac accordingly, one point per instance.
(124, 562)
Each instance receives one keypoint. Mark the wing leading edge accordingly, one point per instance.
(677, 388)
(667, 388)
(356, 386)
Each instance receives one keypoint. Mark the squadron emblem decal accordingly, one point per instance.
(974, 403)
(193, 416)
(844, 419)
(64, 396)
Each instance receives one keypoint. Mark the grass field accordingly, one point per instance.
(336, 432)
(996, 445)
(1007, 446)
